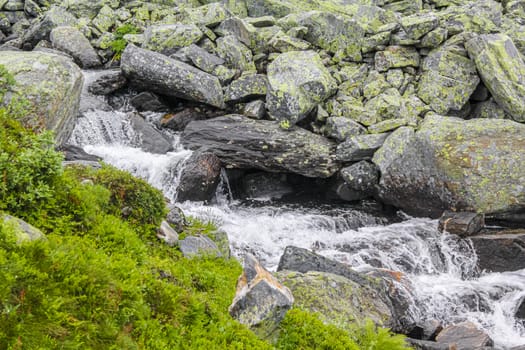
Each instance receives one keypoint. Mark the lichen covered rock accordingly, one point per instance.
(168, 38)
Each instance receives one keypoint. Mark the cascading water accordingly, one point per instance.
(440, 268)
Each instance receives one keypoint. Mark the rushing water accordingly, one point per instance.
(440, 268)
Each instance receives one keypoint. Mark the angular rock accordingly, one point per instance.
(388, 125)
(500, 252)
(105, 19)
(41, 28)
(462, 224)
(74, 43)
(177, 219)
(24, 232)
(178, 121)
(148, 101)
(388, 105)
(457, 19)
(209, 63)
(241, 142)
(199, 178)
(465, 335)
(209, 15)
(420, 24)
(235, 53)
(107, 82)
(72, 153)
(502, 70)
(360, 147)
(339, 190)
(475, 165)
(168, 38)
(168, 234)
(396, 57)
(448, 81)
(362, 176)
(298, 82)
(155, 72)
(261, 302)
(199, 245)
(246, 87)
(434, 38)
(52, 85)
(341, 128)
(149, 139)
(428, 345)
(255, 109)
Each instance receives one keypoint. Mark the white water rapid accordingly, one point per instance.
(439, 267)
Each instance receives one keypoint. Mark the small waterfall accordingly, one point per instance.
(440, 269)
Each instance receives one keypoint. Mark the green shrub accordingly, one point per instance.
(371, 337)
(118, 45)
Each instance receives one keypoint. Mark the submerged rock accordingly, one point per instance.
(476, 165)
(298, 82)
(261, 302)
(241, 142)
(500, 252)
(51, 84)
(155, 72)
(462, 224)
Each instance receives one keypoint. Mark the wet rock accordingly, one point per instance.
(427, 330)
(448, 81)
(148, 101)
(168, 234)
(520, 313)
(396, 57)
(341, 128)
(107, 82)
(199, 178)
(261, 302)
(462, 224)
(245, 88)
(502, 70)
(362, 176)
(503, 251)
(168, 38)
(72, 153)
(337, 299)
(241, 142)
(475, 165)
(428, 345)
(23, 231)
(52, 85)
(41, 28)
(360, 147)
(74, 43)
(265, 185)
(155, 72)
(339, 190)
(465, 336)
(298, 82)
(149, 139)
(199, 245)
(179, 120)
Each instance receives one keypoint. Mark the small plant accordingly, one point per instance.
(118, 45)
(284, 124)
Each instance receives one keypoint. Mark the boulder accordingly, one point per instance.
(51, 84)
(177, 219)
(255, 109)
(362, 176)
(23, 231)
(106, 82)
(155, 72)
(502, 70)
(463, 224)
(147, 137)
(74, 43)
(476, 165)
(261, 302)
(41, 28)
(207, 62)
(298, 82)
(503, 251)
(148, 101)
(418, 25)
(245, 88)
(199, 245)
(199, 178)
(457, 19)
(72, 153)
(168, 38)
(465, 336)
(241, 142)
(235, 53)
(396, 57)
(448, 80)
(179, 120)
(360, 147)
(167, 234)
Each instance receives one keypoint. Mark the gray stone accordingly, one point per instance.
(241, 142)
(502, 70)
(105, 19)
(261, 302)
(31, 8)
(416, 26)
(298, 82)
(167, 234)
(148, 138)
(360, 147)
(255, 109)
(396, 57)
(52, 85)
(71, 41)
(362, 176)
(476, 165)
(23, 231)
(235, 53)
(388, 125)
(457, 19)
(263, 185)
(465, 335)
(168, 38)
(463, 224)
(245, 88)
(199, 178)
(177, 219)
(107, 82)
(148, 101)
(41, 28)
(155, 72)
(500, 252)
(209, 63)
(341, 128)
(200, 245)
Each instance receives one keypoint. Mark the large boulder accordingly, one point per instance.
(241, 142)
(504, 251)
(476, 165)
(74, 43)
(297, 82)
(502, 70)
(42, 27)
(465, 336)
(261, 301)
(168, 38)
(199, 178)
(155, 72)
(51, 84)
